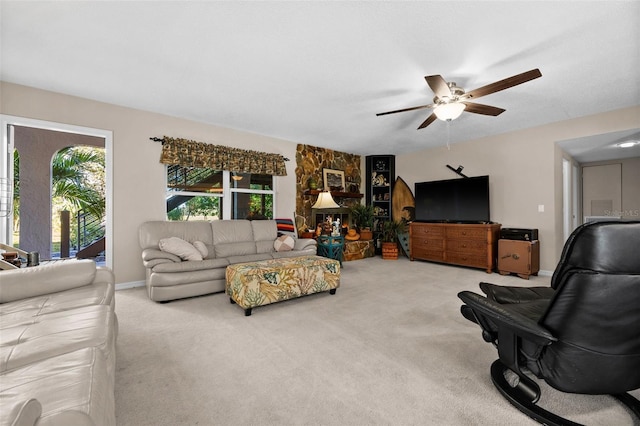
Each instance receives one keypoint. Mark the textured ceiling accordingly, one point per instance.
(317, 72)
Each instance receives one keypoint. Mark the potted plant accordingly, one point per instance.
(390, 232)
(362, 215)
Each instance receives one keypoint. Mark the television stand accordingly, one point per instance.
(474, 245)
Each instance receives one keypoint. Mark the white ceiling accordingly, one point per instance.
(317, 72)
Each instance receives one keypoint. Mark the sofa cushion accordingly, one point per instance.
(27, 340)
(264, 230)
(264, 234)
(284, 243)
(206, 264)
(99, 293)
(150, 233)
(249, 258)
(185, 279)
(231, 231)
(72, 388)
(181, 248)
(202, 248)
(235, 249)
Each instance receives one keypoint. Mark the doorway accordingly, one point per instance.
(11, 125)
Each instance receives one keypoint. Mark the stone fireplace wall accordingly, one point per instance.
(310, 161)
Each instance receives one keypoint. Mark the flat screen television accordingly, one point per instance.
(462, 200)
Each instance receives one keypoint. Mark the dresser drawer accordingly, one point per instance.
(465, 244)
(427, 243)
(425, 254)
(429, 231)
(467, 233)
(467, 259)
(476, 247)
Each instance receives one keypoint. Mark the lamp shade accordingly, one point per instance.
(450, 111)
(325, 201)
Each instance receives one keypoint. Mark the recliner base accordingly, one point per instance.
(526, 393)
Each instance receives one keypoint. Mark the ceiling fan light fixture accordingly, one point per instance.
(449, 111)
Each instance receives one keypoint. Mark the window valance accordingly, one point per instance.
(188, 153)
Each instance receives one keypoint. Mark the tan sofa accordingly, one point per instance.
(228, 242)
(58, 331)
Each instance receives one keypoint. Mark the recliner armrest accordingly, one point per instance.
(505, 316)
(512, 294)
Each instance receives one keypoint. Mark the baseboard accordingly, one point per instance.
(132, 284)
(545, 273)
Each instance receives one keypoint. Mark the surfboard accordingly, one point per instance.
(402, 201)
(403, 206)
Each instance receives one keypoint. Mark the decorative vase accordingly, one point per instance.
(366, 234)
(312, 183)
(390, 251)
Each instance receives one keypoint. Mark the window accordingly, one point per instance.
(199, 194)
(251, 196)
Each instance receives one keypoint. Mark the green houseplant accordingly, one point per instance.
(362, 216)
(390, 232)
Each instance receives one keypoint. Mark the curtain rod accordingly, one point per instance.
(161, 140)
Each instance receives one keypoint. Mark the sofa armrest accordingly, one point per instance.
(104, 275)
(23, 413)
(303, 243)
(16, 284)
(152, 257)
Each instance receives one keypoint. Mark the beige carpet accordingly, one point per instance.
(389, 348)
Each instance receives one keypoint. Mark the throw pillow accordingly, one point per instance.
(202, 248)
(284, 243)
(180, 248)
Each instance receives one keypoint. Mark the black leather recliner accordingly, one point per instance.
(581, 335)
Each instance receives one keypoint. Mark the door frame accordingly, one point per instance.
(107, 135)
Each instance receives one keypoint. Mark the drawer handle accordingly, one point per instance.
(515, 256)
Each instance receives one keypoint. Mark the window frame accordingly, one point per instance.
(226, 193)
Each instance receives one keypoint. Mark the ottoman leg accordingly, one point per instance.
(332, 291)
(233, 302)
(247, 312)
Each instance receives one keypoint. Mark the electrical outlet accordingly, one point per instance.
(540, 208)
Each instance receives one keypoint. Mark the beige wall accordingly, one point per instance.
(139, 180)
(525, 166)
(525, 169)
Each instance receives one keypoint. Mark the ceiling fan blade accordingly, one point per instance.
(428, 121)
(503, 84)
(482, 109)
(404, 110)
(438, 85)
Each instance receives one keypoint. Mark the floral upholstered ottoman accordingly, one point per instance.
(268, 281)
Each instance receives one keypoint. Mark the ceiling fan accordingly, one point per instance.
(450, 100)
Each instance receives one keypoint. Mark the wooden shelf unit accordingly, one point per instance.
(474, 245)
(379, 179)
(336, 194)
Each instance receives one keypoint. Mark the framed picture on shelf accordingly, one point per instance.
(333, 179)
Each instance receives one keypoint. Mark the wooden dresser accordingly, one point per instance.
(474, 245)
